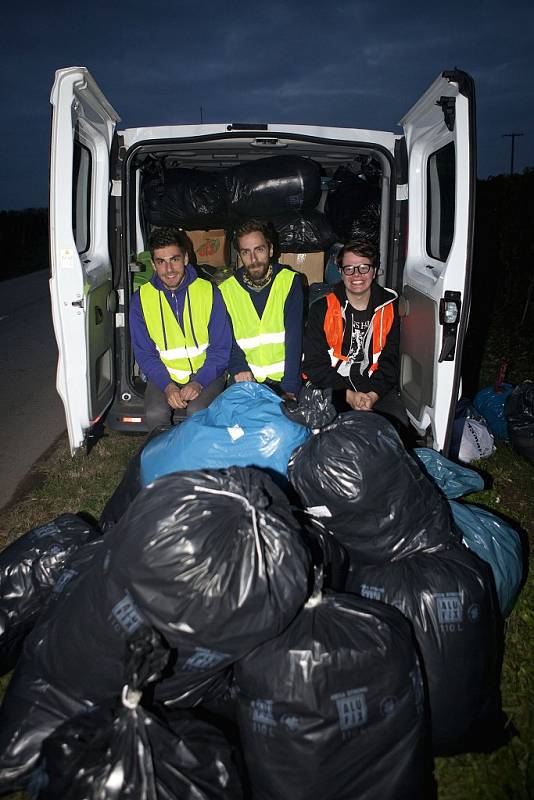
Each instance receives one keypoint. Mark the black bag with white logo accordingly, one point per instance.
(124, 749)
(333, 709)
(449, 597)
(356, 475)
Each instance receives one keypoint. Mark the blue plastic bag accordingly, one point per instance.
(497, 543)
(243, 427)
(490, 403)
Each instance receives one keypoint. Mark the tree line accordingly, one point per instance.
(23, 241)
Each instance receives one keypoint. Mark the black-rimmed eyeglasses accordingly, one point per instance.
(362, 269)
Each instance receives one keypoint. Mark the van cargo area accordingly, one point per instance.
(316, 194)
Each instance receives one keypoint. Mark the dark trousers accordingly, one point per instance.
(390, 406)
(159, 413)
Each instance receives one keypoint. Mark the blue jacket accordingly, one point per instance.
(293, 324)
(219, 331)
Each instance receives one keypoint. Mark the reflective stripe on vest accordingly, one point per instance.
(261, 340)
(182, 351)
(381, 323)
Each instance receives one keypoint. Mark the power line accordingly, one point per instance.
(513, 137)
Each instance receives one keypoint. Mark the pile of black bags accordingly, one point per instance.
(282, 189)
(356, 476)
(29, 570)
(217, 642)
(212, 560)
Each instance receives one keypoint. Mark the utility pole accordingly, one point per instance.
(201, 120)
(512, 136)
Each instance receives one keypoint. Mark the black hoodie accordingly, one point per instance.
(317, 364)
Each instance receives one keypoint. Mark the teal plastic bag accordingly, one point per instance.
(497, 543)
(244, 427)
(453, 479)
(490, 403)
(490, 537)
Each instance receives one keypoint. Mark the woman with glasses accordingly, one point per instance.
(351, 342)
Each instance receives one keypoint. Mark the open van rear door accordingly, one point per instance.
(81, 286)
(440, 144)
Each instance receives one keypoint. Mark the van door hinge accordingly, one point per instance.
(119, 319)
(448, 106)
(116, 188)
(402, 191)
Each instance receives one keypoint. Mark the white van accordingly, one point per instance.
(98, 227)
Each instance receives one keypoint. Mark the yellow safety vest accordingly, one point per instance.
(182, 351)
(261, 340)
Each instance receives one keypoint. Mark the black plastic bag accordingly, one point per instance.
(449, 597)
(313, 407)
(213, 560)
(33, 706)
(356, 475)
(303, 232)
(126, 750)
(218, 550)
(351, 195)
(271, 186)
(519, 412)
(333, 709)
(29, 568)
(327, 552)
(129, 487)
(367, 224)
(184, 198)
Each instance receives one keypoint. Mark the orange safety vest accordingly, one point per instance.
(381, 322)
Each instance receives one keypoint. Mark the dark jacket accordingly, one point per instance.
(317, 364)
(219, 332)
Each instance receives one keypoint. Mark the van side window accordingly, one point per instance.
(81, 196)
(440, 206)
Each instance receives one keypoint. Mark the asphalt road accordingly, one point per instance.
(31, 412)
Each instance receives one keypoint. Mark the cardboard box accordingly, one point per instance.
(311, 264)
(211, 247)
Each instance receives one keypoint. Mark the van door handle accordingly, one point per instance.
(448, 347)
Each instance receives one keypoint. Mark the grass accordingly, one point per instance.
(508, 773)
(62, 484)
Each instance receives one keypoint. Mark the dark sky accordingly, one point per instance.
(324, 62)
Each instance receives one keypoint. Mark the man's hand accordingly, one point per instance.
(190, 391)
(361, 401)
(289, 396)
(244, 377)
(173, 394)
